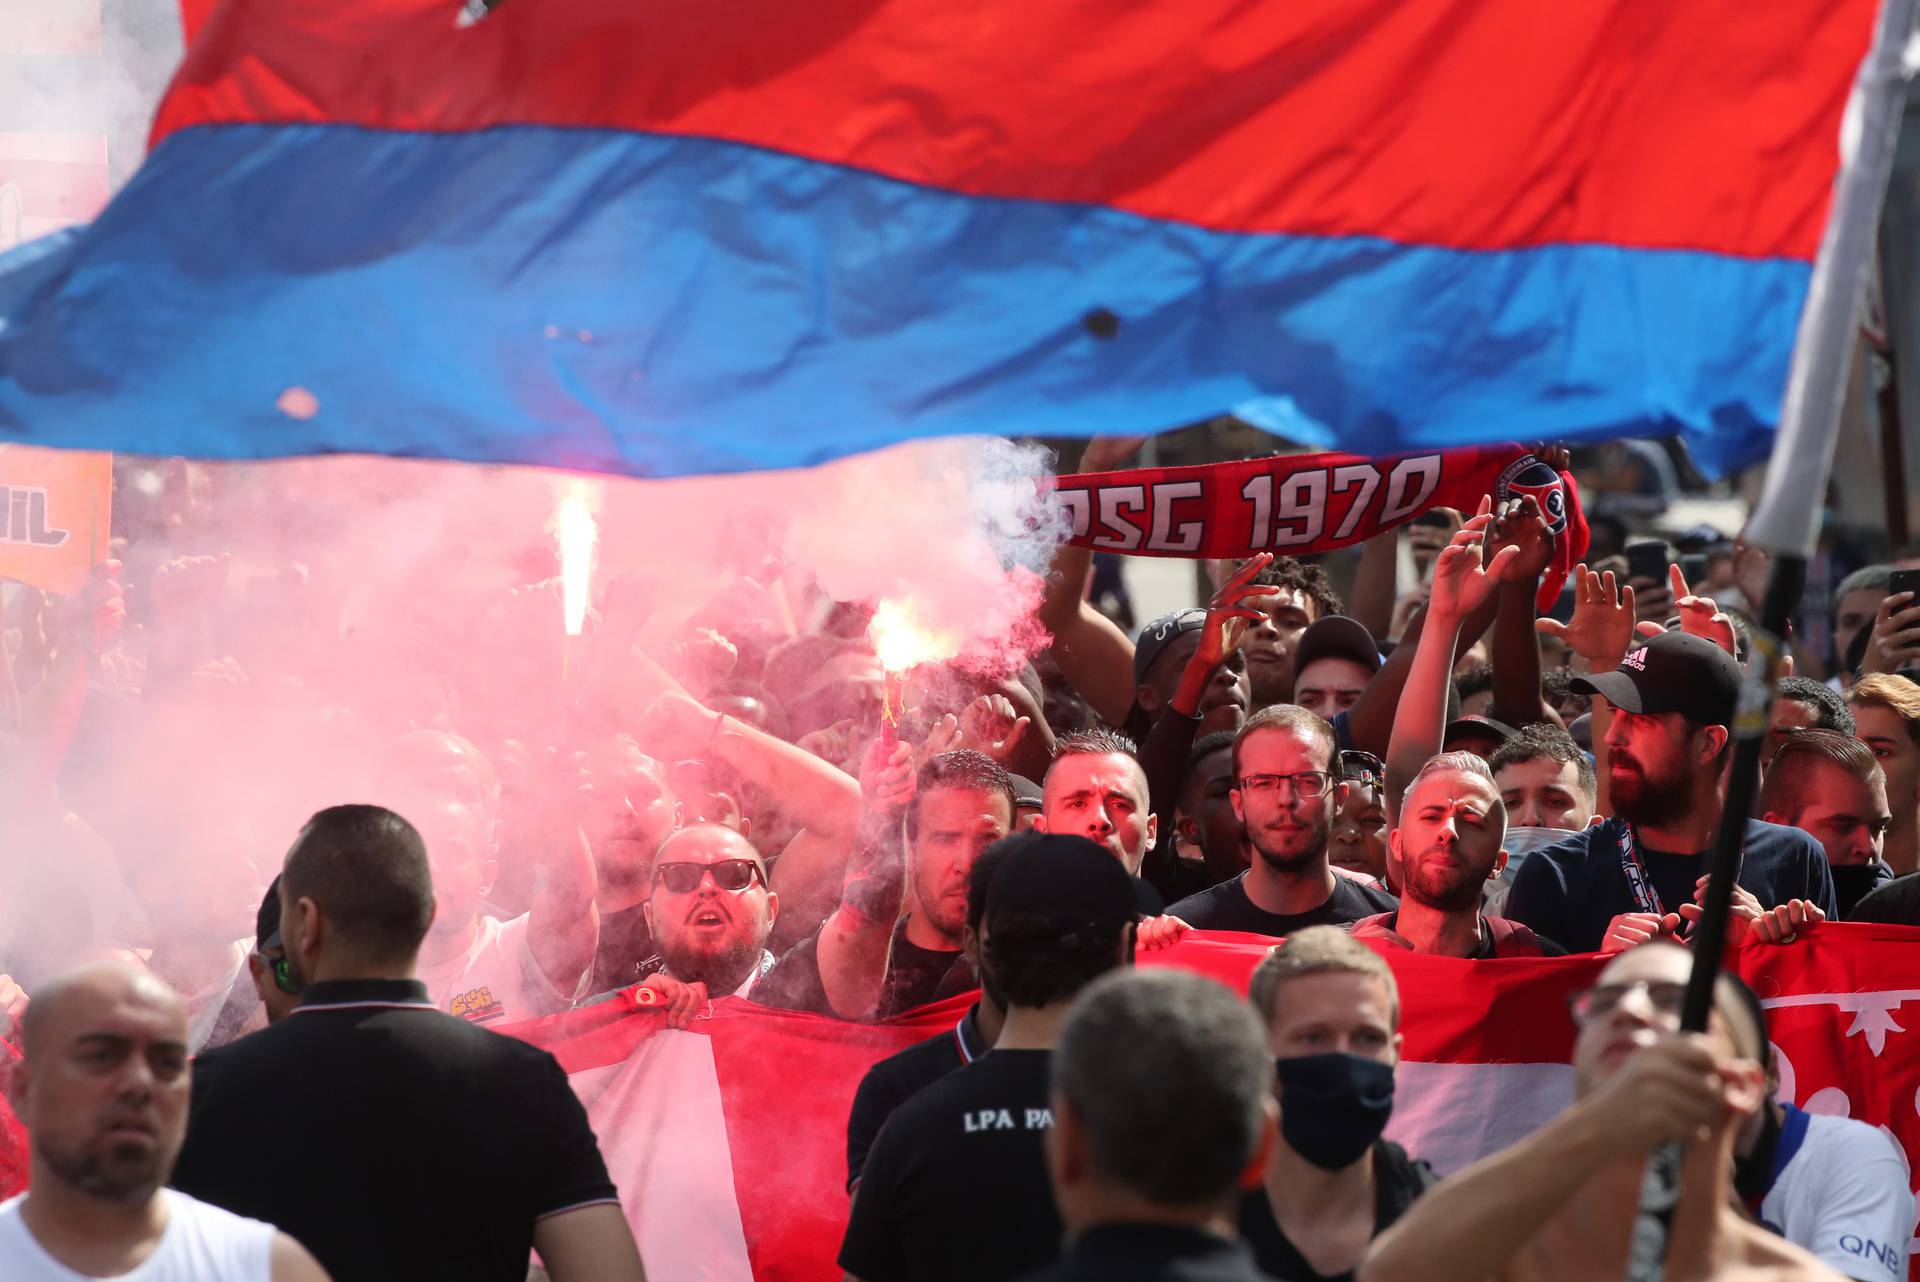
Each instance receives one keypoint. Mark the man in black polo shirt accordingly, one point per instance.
(1285, 793)
(899, 1077)
(1638, 875)
(394, 1140)
(1147, 1180)
(956, 1185)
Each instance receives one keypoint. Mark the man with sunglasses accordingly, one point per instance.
(710, 910)
(1561, 1203)
(1285, 793)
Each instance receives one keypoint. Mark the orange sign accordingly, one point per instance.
(55, 510)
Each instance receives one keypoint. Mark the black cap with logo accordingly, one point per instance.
(1673, 672)
(1161, 633)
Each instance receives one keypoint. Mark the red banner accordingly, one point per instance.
(728, 1140)
(1302, 503)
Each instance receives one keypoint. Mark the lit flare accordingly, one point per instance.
(576, 529)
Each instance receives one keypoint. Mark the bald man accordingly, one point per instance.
(710, 909)
(102, 1087)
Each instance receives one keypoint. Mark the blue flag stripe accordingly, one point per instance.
(662, 306)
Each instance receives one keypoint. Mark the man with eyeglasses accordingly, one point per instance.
(710, 910)
(1285, 793)
(1562, 1202)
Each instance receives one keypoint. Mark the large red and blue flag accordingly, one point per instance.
(660, 238)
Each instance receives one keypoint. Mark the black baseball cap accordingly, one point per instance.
(1026, 792)
(1338, 637)
(266, 922)
(1161, 633)
(1472, 725)
(1673, 672)
(1071, 881)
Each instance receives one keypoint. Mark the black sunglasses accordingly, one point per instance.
(729, 874)
(282, 971)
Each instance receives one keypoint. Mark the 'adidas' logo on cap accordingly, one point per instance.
(1637, 660)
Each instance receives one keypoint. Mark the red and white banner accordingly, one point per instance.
(728, 1140)
(1303, 503)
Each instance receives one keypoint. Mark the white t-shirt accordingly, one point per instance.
(497, 980)
(201, 1243)
(1843, 1195)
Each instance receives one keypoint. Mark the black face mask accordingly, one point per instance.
(1333, 1107)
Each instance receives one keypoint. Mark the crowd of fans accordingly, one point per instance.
(748, 806)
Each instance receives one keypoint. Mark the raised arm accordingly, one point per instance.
(856, 938)
(1370, 720)
(1516, 645)
(563, 928)
(1599, 634)
(1094, 655)
(823, 797)
(1461, 584)
(1374, 583)
(1471, 1226)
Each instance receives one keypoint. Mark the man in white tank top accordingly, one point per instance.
(102, 1087)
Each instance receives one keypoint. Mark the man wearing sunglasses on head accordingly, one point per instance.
(1562, 1202)
(1285, 793)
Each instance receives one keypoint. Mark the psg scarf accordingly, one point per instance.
(1304, 503)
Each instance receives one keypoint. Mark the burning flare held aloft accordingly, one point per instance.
(903, 642)
(576, 529)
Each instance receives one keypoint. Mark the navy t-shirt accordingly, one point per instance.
(1571, 890)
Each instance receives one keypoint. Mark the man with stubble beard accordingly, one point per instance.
(1447, 846)
(1639, 875)
(1285, 793)
(103, 1091)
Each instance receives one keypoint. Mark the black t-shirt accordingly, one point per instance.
(1854, 882)
(914, 975)
(899, 1077)
(626, 954)
(390, 1139)
(1397, 1181)
(1151, 1253)
(1226, 907)
(794, 983)
(1895, 904)
(956, 1186)
(1571, 890)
